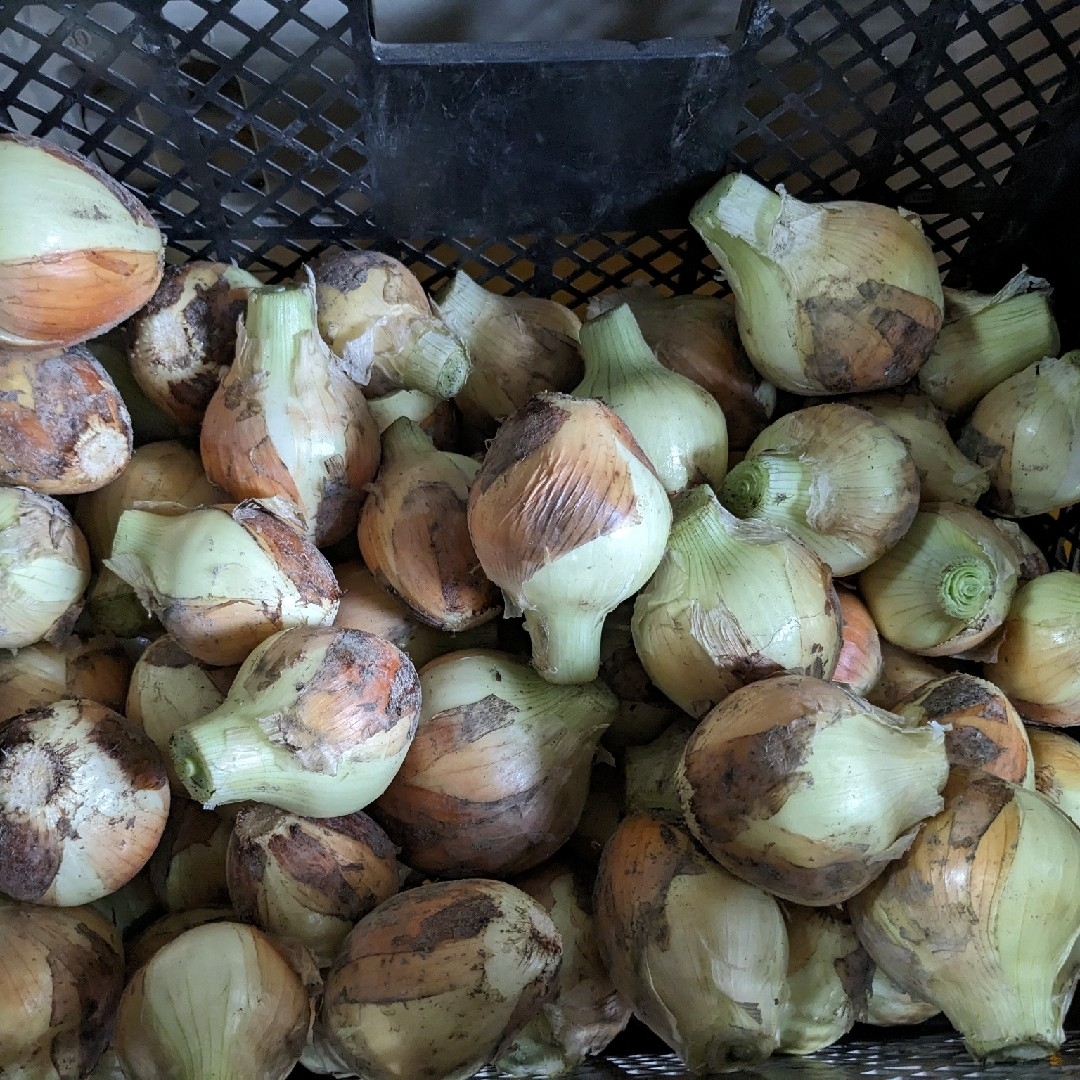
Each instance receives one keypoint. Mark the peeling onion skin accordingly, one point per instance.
(66, 428)
(807, 790)
(860, 664)
(700, 955)
(311, 879)
(981, 917)
(183, 340)
(219, 1000)
(83, 803)
(99, 255)
(60, 984)
(437, 981)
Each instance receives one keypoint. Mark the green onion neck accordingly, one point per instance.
(276, 316)
(697, 520)
(614, 351)
(967, 586)
(566, 645)
(404, 438)
(737, 207)
(764, 483)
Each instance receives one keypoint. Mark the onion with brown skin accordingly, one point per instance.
(80, 254)
(1057, 769)
(218, 1000)
(183, 340)
(860, 663)
(981, 916)
(66, 428)
(414, 532)
(59, 846)
(700, 955)
(805, 789)
(902, 673)
(437, 981)
(149, 939)
(310, 879)
(496, 777)
(60, 985)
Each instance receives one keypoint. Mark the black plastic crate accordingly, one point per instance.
(264, 131)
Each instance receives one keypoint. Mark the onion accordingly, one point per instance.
(310, 879)
(158, 472)
(832, 298)
(803, 788)
(41, 674)
(219, 1000)
(61, 846)
(317, 721)
(223, 580)
(700, 955)
(66, 428)
(374, 313)
(686, 441)
(60, 984)
(287, 422)
(436, 417)
(187, 868)
(902, 673)
(836, 478)
(732, 602)
(184, 339)
(518, 346)
(569, 519)
(1038, 657)
(44, 569)
(495, 780)
(438, 980)
(414, 532)
(1057, 769)
(981, 916)
(860, 663)
(79, 254)
(696, 336)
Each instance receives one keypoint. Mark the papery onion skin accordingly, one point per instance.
(219, 1000)
(44, 569)
(59, 846)
(1057, 769)
(700, 955)
(438, 980)
(902, 673)
(184, 338)
(66, 428)
(83, 252)
(981, 916)
(860, 663)
(1039, 652)
(805, 789)
(311, 879)
(60, 985)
